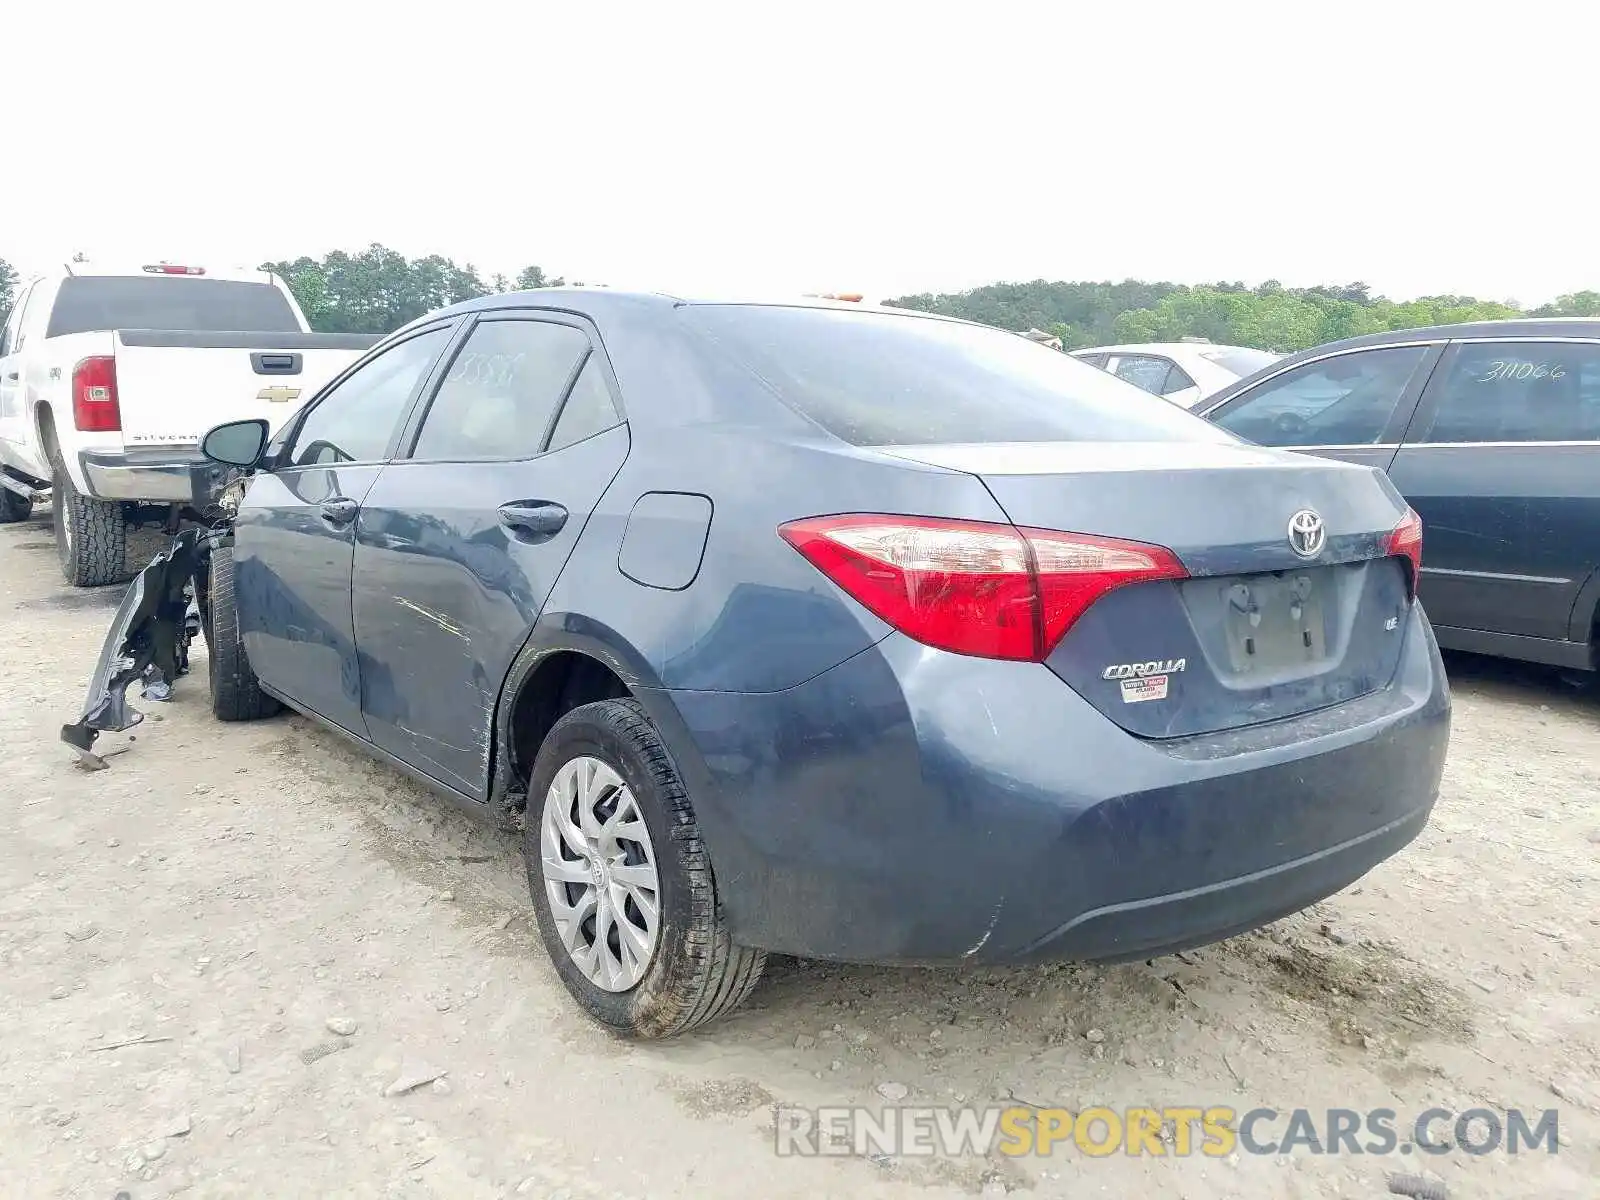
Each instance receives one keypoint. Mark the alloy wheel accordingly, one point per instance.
(599, 870)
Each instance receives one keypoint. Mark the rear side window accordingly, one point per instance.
(1145, 371)
(497, 399)
(589, 409)
(1520, 392)
(88, 302)
(877, 379)
(1346, 400)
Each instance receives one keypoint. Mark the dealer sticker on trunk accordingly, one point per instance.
(1151, 687)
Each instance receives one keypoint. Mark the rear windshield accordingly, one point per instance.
(876, 379)
(89, 302)
(1241, 361)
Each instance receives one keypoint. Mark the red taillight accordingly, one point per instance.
(1406, 542)
(94, 395)
(993, 591)
(173, 269)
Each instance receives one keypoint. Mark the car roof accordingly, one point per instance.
(1520, 327)
(1162, 348)
(600, 299)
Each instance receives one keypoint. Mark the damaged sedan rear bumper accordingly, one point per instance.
(149, 635)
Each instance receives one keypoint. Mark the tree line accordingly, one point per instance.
(377, 290)
(1268, 317)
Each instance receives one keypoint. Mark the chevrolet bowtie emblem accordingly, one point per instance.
(278, 395)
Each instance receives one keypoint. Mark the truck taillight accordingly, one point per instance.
(992, 591)
(94, 395)
(173, 269)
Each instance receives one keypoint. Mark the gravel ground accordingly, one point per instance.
(291, 929)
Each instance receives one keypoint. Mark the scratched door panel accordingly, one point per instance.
(445, 593)
(292, 579)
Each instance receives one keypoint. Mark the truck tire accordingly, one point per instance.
(235, 693)
(14, 508)
(91, 535)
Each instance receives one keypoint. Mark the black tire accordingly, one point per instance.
(91, 535)
(696, 973)
(235, 693)
(14, 508)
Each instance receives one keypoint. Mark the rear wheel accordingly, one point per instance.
(91, 535)
(235, 693)
(14, 508)
(621, 880)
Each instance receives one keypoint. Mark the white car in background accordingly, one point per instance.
(1183, 372)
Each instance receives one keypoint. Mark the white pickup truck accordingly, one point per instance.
(108, 378)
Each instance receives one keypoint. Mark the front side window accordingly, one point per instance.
(497, 399)
(1520, 392)
(1346, 400)
(13, 325)
(354, 421)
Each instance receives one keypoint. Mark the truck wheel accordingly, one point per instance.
(235, 694)
(621, 880)
(14, 508)
(91, 535)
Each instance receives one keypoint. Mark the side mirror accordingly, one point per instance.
(237, 443)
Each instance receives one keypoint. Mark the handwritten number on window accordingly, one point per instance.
(1502, 370)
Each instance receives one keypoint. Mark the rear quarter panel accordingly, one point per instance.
(757, 616)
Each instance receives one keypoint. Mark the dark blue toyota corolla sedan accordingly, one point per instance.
(822, 630)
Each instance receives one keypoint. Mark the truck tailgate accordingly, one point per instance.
(173, 386)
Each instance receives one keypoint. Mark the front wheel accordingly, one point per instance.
(621, 880)
(235, 693)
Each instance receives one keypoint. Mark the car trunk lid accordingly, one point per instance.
(1258, 631)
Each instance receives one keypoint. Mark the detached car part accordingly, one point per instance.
(152, 629)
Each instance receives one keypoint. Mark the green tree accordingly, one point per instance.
(8, 288)
(533, 277)
(1576, 304)
(376, 290)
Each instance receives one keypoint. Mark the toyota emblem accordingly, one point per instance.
(1307, 534)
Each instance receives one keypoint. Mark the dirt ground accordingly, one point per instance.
(235, 894)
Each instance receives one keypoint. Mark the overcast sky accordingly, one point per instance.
(869, 146)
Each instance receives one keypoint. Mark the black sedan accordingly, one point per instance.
(1492, 432)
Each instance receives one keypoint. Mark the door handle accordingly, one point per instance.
(533, 519)
(339, 511)
(12, 377)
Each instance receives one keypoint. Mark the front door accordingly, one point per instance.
(1353, 405)
(14, 435)
(1502, 463)
(295, 533)
(459, 544)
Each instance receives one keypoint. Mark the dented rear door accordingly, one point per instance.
(459, 545)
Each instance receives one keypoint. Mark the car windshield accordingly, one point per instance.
(879, 379)
(1241, 360)
(167, 302)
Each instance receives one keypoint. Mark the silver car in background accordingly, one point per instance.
(1184, 372)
